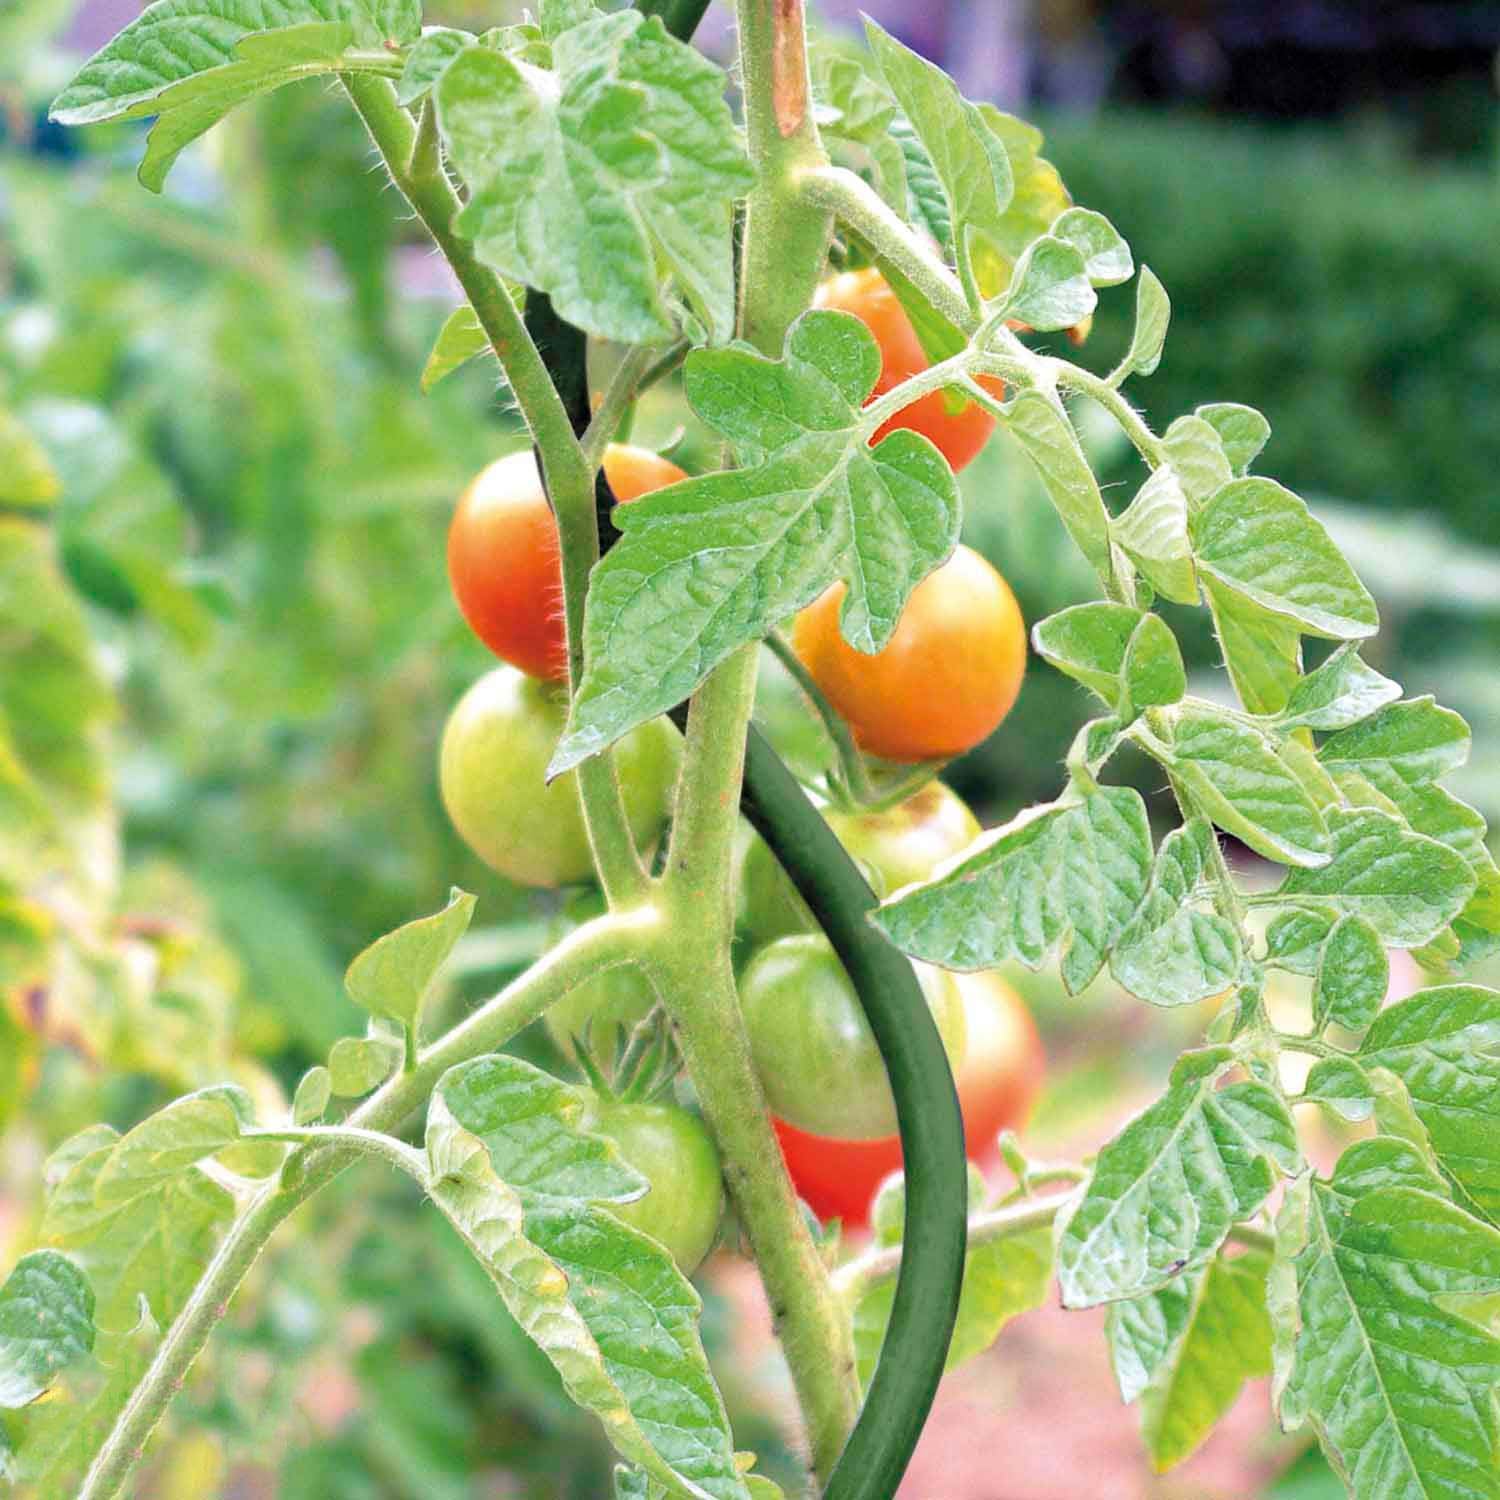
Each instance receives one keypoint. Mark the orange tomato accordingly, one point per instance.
(944, 680)
(503, 557)
(959, 435)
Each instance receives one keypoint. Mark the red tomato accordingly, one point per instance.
(997, 1085)
(959, 435)
(503, 558)
(944, 680)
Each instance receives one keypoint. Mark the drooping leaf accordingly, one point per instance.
(1338, 694)
(1153, 531)
(164, 1145)
(1195, 453)
(1042, 428)
(1106, 256)
(1343, 1085)
(1187, 1350)
(392, 976)
(1168, 1188)
(1064, 878)
(189, 62)
(1262, 651)
(1410, 743)
(713, 563)
(1261, 542)
(603, 1301)
(1444, 1045)
(970, 162)
(1153, 312)
(46, 1324)
(1173, 952)
(1126, 656)
(1237, 778)
(1353, 976)
(1050, 286)
(1242, 430)
(1407, 887)
(1372, 1349)
(628, 144)
(314, 1090)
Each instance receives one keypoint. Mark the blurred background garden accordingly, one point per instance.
(228, 646)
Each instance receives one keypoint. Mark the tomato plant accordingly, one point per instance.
(959, 433)
(493, 777)
(998, 1075)
(503, 560)
(611, 223)
(946, 678)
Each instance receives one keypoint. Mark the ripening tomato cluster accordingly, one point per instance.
(942, 683)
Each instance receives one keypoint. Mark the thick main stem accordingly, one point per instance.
(570, 479)
(608, 942)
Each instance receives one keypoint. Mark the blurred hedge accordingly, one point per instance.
(1351, 293)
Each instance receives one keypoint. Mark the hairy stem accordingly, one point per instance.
(568, 473)
(604, 943)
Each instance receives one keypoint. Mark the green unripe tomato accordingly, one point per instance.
(674, 1152)
(492, 774)
(893, 848)
(816, 1055)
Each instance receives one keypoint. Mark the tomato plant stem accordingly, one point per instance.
(568, 474)
(604, 943)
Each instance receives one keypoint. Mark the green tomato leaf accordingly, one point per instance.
(629, 144)
(357, 1064)
(1353, 976)
(1187, 1350)
(1123, 654)
(1294, 940)
(1241, 429)
(1407, 887)
(1002, 1279)
(1195, 452)
(531, 1125)
(1343, 1085)
(46, 1324)
(1233, 771)
(1153, 532)
(392, 976)
(427, 60)
(1261, 542)
(1444, 1045)
(1050, 287)
(710, 564)
(1262, 651)
(857, 111)
(1369, 1276)
(152, 1244)
(1153, 312)
(603, 1302)
(310, 1102)
(459, 340)
(1337, 694)
(27, 479)
(164, 1145)
(1106, 256)
(927, 204)
(189, 62)
(1173, 953)
(1041, 426)
(969, 160)
(1064, 878)
(1037, 200)
(1406, 744)
(1165, 1192)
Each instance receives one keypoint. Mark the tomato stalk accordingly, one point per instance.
(565, 469)
(605, 943)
